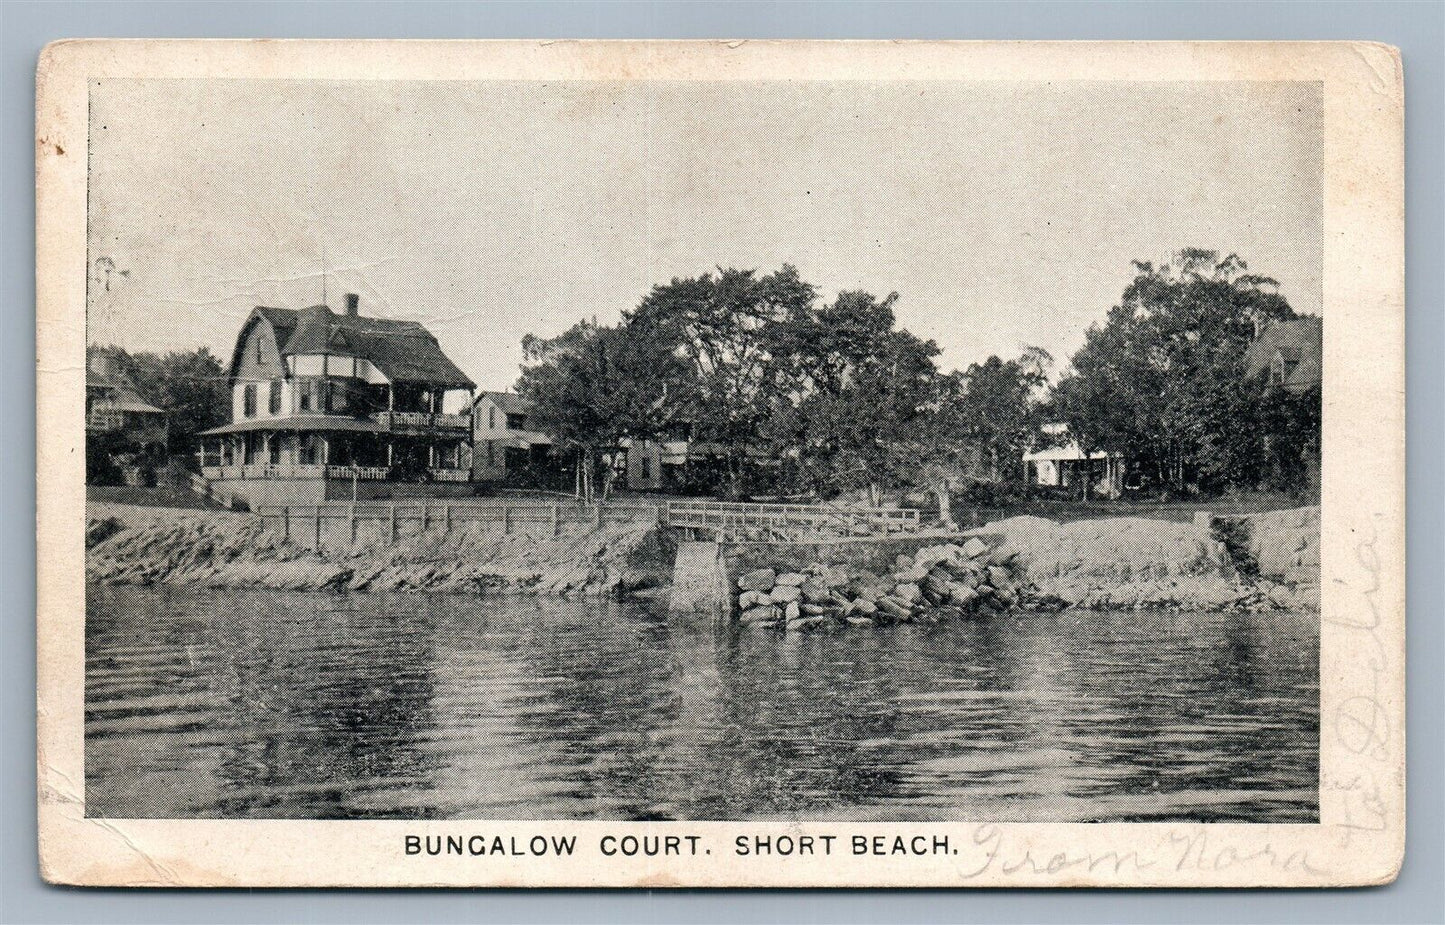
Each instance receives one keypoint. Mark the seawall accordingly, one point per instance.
(138, 545)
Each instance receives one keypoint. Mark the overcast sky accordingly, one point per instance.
(1003, 213)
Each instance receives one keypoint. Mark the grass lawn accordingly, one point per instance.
(1180, 511)
(161, 496)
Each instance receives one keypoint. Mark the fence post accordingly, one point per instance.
(353, 523)
(597, 515)
(318, 526)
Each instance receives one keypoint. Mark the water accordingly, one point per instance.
(291, 705)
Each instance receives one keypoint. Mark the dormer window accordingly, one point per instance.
(258, 349)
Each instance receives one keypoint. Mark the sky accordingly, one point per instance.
(1004, 214)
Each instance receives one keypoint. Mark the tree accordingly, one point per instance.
(723, 326)
(999, 407)
(593, 386)
(851, 391)
(1159, 380)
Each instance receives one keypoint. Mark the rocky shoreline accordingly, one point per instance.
(146, 546)
(1254, 563)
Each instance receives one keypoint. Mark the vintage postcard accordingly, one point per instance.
(720, 464)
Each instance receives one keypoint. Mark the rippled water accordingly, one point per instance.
(256, 704)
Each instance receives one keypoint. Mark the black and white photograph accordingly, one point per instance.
(699, 450)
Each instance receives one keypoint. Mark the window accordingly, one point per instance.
(337, 398)
(491, 455)
(310, 394)
(274, 404)
(516, 422)
(248, 401)
(258, 349)
(491, 420)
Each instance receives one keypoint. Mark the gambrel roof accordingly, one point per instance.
(404, 351)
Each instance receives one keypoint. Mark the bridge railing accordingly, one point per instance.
(735, 519)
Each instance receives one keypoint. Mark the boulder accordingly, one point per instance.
(803, 624)
(961, 595)
(895, 608)
(815, 610)
(908, 592)
(752, 599)
(974, 548)
(815, 593)
(766, 614)
(902, 563)
(792, 611)
(785, 594)
(999, 577)
(791, 579)
(761, 579)
(910, 575)
(860, 621)
(864, 607)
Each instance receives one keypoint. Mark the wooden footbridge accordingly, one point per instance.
(740, 521)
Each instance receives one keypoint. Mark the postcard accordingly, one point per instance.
(720, 464)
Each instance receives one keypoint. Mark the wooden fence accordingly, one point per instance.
(346, 522)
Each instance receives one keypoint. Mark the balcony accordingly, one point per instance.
(421, 421)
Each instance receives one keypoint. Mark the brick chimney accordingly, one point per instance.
(353, 304)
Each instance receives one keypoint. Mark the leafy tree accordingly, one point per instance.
(851, 391)
(999, 408)
(1160, 380)
(593, 386)
(723, 326)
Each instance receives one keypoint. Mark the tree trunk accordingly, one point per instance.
(945, 505)
(875, 494)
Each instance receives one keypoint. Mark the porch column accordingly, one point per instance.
(266, 447)
(388, 454)
(325, 450)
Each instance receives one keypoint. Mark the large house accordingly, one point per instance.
(335, 406)
(1289, 353)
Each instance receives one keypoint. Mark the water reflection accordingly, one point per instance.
(252, 704)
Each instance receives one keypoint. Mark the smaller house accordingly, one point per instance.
(1066, 464)
(1288, 354)
(135, 431)
(503, 448)
(112, 403)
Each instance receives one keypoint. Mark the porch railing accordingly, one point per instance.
(420, 420)
(293, 471)
(451, 475)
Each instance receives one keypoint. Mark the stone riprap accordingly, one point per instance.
(144, 546)
(1030, 563)
(939, 582)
